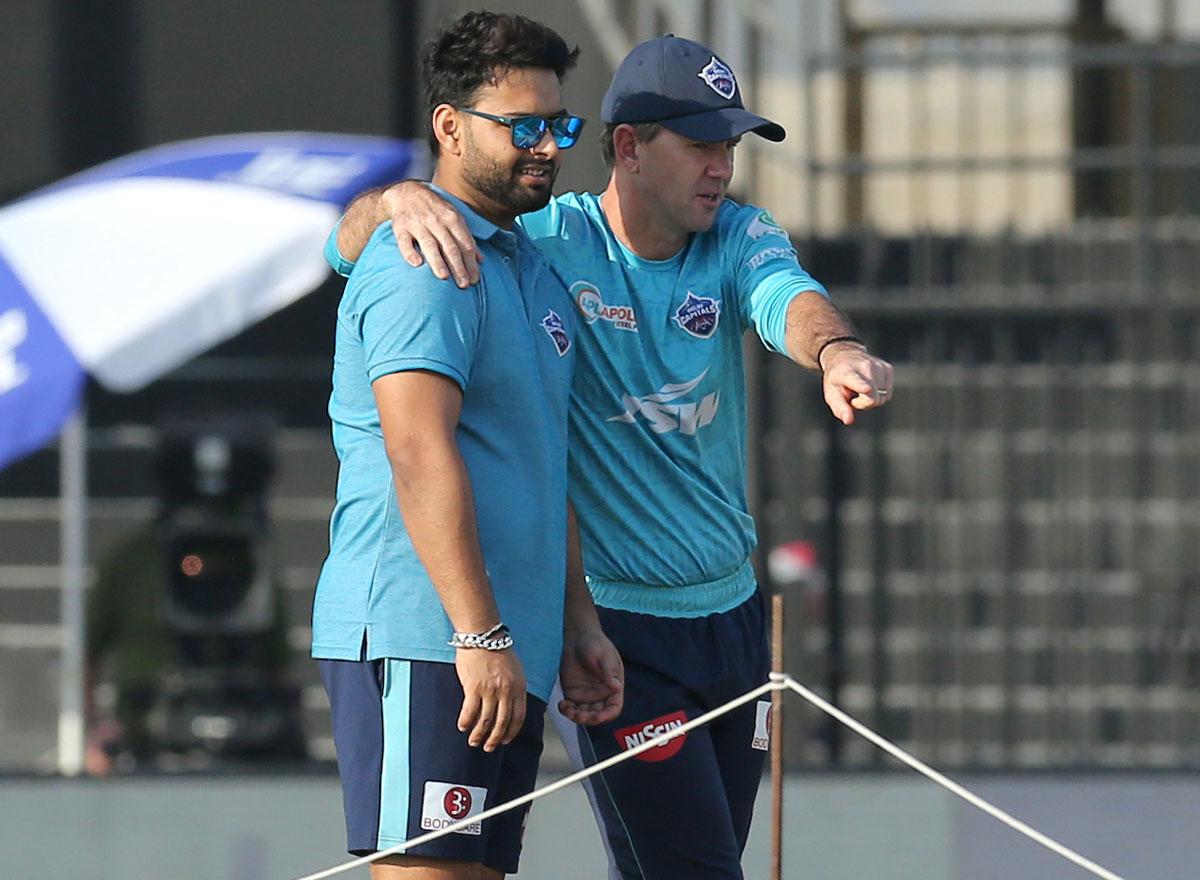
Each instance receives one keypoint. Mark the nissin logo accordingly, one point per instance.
(664, 415)
(14, 330)
(636, 734)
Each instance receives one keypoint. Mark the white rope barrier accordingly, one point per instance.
(778, 681)
(944, 781)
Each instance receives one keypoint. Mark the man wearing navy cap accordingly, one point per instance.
(667, 276)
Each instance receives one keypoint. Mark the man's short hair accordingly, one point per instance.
(481, 46)
(643, 131)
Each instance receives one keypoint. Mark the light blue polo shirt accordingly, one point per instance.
(658, 412)
(508, 342)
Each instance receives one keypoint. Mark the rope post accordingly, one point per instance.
(776, 734)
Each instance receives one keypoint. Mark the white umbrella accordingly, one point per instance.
(129, 269)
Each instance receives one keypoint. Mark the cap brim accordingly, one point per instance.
(723, 124)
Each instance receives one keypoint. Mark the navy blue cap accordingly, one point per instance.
(685, 87)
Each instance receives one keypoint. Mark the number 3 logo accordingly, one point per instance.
(457, 802)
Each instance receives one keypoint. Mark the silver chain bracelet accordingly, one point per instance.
(495, 639)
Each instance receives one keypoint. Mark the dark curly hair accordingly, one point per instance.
(470, 52)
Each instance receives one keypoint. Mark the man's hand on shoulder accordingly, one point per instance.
(854, 379)
(429, 229)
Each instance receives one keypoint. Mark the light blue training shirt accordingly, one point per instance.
(509, 345)
(658, 406)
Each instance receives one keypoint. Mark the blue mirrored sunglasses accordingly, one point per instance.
(528, 131)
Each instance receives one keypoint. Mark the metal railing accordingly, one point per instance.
(1011, 563)
(1011, 573)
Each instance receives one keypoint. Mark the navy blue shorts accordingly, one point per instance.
(681, 810)
(406, 769)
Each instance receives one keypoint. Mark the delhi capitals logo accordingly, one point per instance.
(719, 78)
(698, 315)
(553, 326)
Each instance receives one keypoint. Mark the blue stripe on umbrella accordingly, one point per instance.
(40, 380)
(326, 167)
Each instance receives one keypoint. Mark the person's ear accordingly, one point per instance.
(625, 149)
(447, 129)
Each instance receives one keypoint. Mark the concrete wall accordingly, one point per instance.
(893, 827)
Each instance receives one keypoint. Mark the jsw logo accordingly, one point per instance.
(297, 172)
(14, 330)
(665, 416)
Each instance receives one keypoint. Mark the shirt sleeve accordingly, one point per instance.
(333, 256)
(407, 318)
(768, 275)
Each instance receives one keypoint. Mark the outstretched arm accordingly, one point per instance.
(853, 378)
(792, 313)
(427, 227)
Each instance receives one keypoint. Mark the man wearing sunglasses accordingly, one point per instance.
(667, 276)
(452, 598)
(528, 131)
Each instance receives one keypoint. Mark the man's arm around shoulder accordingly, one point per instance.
(427, 227)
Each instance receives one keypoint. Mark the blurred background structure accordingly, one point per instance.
(1006, 199)
(1000, 570)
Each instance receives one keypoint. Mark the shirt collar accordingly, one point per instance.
(482, 228)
